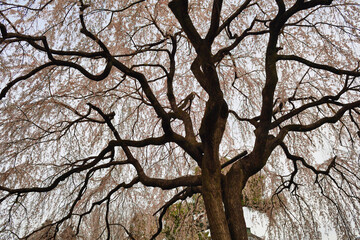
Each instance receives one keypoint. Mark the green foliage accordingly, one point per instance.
(186, 220)
(253, 194)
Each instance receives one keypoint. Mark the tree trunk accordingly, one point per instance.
(211, 132)
(212, 194)
(223, 202)
(234, 183)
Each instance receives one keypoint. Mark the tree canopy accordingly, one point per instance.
(114, 111)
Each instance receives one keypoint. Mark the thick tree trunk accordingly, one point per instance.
(233, 185)
(223, 202)
(211, 132)
(222, 197)
(214, 207)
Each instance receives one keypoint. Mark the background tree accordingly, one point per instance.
(107, 107)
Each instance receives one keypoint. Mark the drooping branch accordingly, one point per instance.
(106, 198)
(336, 117)
(57, 223)
(182, 195)
(330, 99)
(144, 179)
(319, 66)
(252, 121)
(62, 177)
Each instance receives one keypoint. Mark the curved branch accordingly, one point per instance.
(62, 177)
(302, 160)
(252, 121)
(5, 90)
(87, 74)
(320, 122)
(17, 37)
(323, 100)
(319, 66)
(188, 192)
(27, 7)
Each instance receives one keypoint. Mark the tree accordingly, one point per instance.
(108, 107)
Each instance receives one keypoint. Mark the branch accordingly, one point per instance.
(234, 159)
(127, 232)
(287, 184)
(157, 141)
(107, 118)
(302, 160)
(106, 198)
(180, 10)
(281, 6)
(93, 205)
(5, 90)
(227, 22)
(319, 66)
(27, 7)
(62, 177)
(188, 192)
(144, 179)
(87, 33)
(323, 100)
(222, 52)
(165, 184)
(215, 20)
(320, 122)
(17, 37)
(190, 147)
(252, 121)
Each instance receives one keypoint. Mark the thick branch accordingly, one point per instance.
(6, 89)
(252, 121)
(234, 159)
(188, 181)
(215, 20)
(180, 10)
